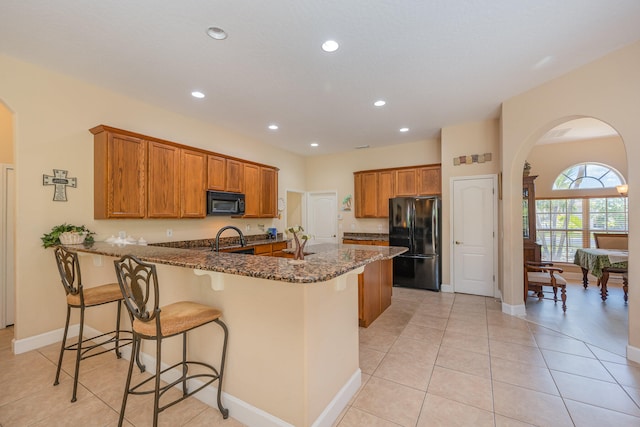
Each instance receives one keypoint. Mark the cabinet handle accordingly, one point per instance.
(458, 243)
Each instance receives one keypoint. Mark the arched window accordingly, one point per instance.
(588, 176)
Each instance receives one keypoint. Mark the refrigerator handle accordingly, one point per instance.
(412, 228)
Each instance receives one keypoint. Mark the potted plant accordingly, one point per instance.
(527, 168)
(298, 253)
(67, 234)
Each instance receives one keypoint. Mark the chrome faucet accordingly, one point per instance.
(217, 244)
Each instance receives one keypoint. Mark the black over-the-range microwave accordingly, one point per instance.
(221, 203)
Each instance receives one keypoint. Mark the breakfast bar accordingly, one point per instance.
(293, 326)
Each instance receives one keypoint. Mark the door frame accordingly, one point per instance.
(303, 207)
(6, 253)
(494, 180)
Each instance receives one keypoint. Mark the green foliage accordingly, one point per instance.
(53, 237)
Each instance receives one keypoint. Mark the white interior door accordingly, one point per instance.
(7, 221)
(474, 208)
(322, 217)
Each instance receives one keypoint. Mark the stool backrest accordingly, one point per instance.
(69, 269)
(138, 282)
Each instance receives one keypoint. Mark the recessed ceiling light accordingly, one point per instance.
(216, 33)
(379, 103)
(404, 129)
(273, 127)
(314, 144)
(197, 94)
(330, 46)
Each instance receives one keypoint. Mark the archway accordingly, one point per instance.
(583, 140)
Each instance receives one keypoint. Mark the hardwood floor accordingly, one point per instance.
(588, 318)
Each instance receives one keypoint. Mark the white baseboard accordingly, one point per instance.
(514, 310)
(38, 341)
(238, 409)
(633, 353)
(445, 287)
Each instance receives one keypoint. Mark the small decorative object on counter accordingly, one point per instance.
(298, 253)
(67, 234)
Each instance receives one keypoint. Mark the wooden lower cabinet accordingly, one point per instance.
(375, 287)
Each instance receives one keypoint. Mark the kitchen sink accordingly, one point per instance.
(250, 251)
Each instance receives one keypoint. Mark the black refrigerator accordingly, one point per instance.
(414, 222)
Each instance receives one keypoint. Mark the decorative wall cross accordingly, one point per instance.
(61, 182)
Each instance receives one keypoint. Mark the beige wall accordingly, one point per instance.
(606, 89)
(52, 116)
(549, 160)
(6, 135)
(463, 140)
(335, 172)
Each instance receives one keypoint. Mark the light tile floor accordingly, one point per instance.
(432, 359)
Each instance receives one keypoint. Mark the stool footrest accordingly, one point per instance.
(101, 340)
(212, 377)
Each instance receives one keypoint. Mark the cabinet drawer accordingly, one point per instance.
(263, 249)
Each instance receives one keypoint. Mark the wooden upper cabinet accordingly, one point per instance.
(216, 173)
(138, 176)
(369, 195)
(406, 182)
(193, 184)
(163, 199)
(357, 194)
(268, 192)
(252, 191)
(373, 189)
(119, 175)
(429, 180)
(234, 176)
(386, 191)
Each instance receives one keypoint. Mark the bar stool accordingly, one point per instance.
(82, 298)
(138, 282)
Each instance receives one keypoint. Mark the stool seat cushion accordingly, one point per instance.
(177, 318)
(545, 277)
(97, 295)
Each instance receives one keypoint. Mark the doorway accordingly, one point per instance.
(296, 210)
(577, 142)
(474, 205)
(7, 226)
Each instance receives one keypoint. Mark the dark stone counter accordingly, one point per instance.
(326, 262)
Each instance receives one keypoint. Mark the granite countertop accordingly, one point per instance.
(326, 261)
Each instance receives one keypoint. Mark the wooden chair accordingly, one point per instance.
(82, 298)
(612, 240)
(138, 282)
(539, 275)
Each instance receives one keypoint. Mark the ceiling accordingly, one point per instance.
(436, 63)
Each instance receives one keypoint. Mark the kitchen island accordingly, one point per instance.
(293, 327)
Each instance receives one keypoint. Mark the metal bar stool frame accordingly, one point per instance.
(71, 278)
(137, 279)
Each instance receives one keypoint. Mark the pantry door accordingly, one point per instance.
(322, 217)
(474, 235)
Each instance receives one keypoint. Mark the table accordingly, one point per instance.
(601, 262)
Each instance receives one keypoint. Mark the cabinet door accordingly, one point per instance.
(163, 199)
(193, 184)
(268, 192)
(234, 175)
(429, 181)
(386, 183)
(216, 173)
(252, 190)
(126, 166)
(369, 195)
(406, 182)
(357, 194)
